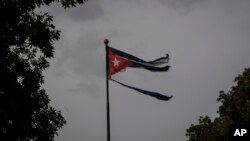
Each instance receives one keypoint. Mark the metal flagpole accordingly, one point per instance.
(106, 41)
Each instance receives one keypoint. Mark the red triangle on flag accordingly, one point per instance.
(117, 63)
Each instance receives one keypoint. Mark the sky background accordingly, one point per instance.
(208, 42)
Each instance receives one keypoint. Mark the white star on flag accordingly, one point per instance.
(116, 62)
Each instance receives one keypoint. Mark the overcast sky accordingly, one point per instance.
(208, 42)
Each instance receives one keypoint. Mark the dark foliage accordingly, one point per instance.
(235, 109)
(26, 44)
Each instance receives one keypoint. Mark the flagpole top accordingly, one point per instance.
(106, 41)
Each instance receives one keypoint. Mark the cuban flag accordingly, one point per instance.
(119, 60)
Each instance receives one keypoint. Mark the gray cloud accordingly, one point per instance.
(208, 47)
(90, 88)
(83, 58)
(180, 2)
(181, 5)
(88, 11)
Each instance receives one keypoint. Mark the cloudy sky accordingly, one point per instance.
(208, 42)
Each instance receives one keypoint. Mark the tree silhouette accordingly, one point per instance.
(26, 44)
(235, 109)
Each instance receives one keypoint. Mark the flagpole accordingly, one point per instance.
(106, 41)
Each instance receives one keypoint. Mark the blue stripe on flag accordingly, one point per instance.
(153, 94)
(156, 62)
